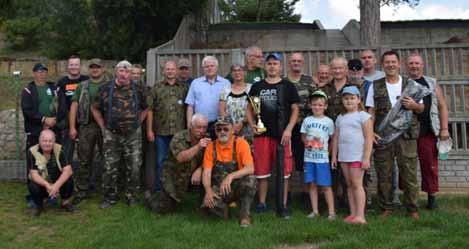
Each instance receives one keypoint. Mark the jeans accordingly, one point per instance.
(162, 148)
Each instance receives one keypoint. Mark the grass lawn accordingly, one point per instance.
(123, 227)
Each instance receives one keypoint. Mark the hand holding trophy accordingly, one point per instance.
(256, 107)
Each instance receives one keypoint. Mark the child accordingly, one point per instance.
(353, 138)
(316, 131)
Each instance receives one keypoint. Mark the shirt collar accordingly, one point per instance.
(216, 79)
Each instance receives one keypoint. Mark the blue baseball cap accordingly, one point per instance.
(275, 56)
(351, 90)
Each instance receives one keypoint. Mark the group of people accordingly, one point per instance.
(227, 134)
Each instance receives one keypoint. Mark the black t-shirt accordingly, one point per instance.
(270, 114)
(68, 87)
(52, 167)
(424, 117)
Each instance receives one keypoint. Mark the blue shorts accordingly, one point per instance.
(318, 173)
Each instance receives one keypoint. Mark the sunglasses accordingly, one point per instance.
(224, 129)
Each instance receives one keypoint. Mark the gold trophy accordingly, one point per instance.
(256, 107)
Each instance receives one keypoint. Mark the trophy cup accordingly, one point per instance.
(256, 106)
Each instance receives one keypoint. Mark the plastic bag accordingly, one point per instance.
(399, 119)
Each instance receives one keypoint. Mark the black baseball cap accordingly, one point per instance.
(355, 65)
(40, 67)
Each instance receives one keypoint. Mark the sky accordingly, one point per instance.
(334, 14)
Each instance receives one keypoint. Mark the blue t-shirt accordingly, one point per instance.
(318, 131)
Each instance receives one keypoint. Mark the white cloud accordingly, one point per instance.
(336, 13)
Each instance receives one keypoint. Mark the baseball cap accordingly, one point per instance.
(96, 62)
(275, 56)
(319, 93)
(224, 120)
(40, 67)
(183, 62)
(124, 64)
(351, 90)
(355, 65)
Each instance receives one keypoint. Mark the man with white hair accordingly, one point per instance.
(253, 66)
(204, 93)
(119, 109)
(183, 166)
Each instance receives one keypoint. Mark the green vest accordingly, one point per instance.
(383, 107)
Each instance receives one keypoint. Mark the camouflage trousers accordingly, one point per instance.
(128, 146)
(89, 137)
(406, 153)
(243, 189)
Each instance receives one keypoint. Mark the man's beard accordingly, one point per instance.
(224, 138)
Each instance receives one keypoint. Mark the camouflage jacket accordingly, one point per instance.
(167, 103)
(334, 103)
(123, 115)
(175, 176)
(305, 88)
(383, 106)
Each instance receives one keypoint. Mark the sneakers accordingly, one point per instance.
(132, 202)
(69, 208)
(285, 213)
(261, 208)
(312, 215)
(36, 211)
(331, 216)
(245, 221)
(431, 203)
(106, 204)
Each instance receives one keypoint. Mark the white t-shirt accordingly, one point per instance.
(394, 92)
(351, 143)
(318, 131)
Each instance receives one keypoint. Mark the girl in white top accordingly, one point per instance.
(351, 146)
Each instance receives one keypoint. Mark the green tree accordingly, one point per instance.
(259, 10)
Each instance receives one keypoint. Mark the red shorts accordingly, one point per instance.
(353, 164)
(265, 154)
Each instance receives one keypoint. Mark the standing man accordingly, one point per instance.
(119, 109)
(184, 73)
(67, 87)
(204, 93)
(39, 106)
(433, 125)
(323, 76)
(380, 100)
(166, 115)
(253, 66)
(339, 69)
(304, 86)
(368, 59)
(228, 173)
(279, 111)
(89, 134)
(183, 167)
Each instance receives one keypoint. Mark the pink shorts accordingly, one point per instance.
(353, 164)
(265, 154)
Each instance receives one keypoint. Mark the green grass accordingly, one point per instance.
(123, 227)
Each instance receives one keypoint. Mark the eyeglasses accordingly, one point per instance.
(224, 129)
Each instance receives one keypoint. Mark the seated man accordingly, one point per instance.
(49, 173)
(183, 166)
(228, 173)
